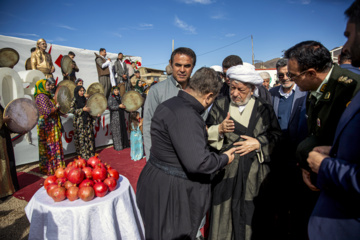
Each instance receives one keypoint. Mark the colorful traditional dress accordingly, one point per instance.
(51, 154)
(117, 123)
(84, 137)
(136, 141)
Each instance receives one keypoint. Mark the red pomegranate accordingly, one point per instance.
(111, 183)
(71, 164)
(60, 172)
(113, 173)
(93, 161)
(87, 182)
(100, 189)
(61, 181)
(68, 169)
(49, 180)
(58, 194)
(68, 184)
(80, 162)
(76, 175)
(50, 187)
(88, 172)
(99, 173)
(72, 193)
(86, 193)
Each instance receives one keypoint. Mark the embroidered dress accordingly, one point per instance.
(51, 154)
(84, 137)
(136, 142)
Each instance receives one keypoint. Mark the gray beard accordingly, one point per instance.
(243, 103)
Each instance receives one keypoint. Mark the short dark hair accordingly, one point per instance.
(102, 49)
(204, 81)
(71, 53)
(120, 53)
(231, 60)
(136, 71)
(310, 54)
(344, 56)
(183, 51)
(353, 13)
(282, 62)
(33, 49)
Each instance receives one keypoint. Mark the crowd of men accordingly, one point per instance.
(292, 169)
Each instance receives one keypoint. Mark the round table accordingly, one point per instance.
(114, 216)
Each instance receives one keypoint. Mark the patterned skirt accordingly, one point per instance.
(51, 154)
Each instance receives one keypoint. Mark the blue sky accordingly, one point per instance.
(214, 29)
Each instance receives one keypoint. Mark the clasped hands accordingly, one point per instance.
(247, 145)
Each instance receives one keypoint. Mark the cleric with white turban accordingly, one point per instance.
(244, 73)
(249, 123)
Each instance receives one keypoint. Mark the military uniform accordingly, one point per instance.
(324, 114)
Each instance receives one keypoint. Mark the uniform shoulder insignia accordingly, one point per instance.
(342, 79)
(348, 103)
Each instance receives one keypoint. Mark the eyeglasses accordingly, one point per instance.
(291, 76)
(281, 75)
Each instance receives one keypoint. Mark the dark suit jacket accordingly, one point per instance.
(337, 212)
(297, 127)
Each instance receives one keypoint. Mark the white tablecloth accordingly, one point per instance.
(114, 216)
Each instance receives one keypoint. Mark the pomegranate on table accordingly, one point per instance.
(82, 179)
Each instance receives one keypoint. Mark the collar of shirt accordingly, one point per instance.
(286, 95)
(317, 94)
(172, 79)
(193, 101)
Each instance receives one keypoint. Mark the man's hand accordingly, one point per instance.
(248, 145)
(230, 154)
(227, 125)
(315, 159)
(124, 76)
(307, 180)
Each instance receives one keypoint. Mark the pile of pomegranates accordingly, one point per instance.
(81, 179)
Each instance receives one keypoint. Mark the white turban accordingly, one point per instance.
(245, 73)
(217, 68)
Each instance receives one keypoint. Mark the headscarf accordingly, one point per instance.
(245, 73)
(117, 97)
(80, 102)
(137, 88)
(40, 87)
